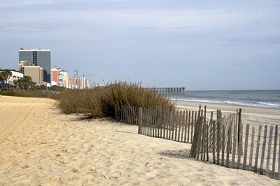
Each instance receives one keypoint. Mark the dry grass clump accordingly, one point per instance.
(102, 101)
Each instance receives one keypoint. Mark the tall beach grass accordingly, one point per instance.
(102, 101)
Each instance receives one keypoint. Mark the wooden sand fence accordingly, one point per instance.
(168, 124)
(221, 140)
(228, 143)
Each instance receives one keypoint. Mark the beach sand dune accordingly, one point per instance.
(41, 146)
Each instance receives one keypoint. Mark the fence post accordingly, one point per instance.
(239, 130)
(140, 121)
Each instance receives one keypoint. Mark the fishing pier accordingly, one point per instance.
(169, 90)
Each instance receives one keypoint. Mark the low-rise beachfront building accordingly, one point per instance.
(35, 72)
(15, 76)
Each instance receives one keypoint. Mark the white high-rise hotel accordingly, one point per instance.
(37, 57)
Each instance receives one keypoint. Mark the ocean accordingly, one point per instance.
(252, 98)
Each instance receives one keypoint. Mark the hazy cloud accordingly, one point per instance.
(144, 40)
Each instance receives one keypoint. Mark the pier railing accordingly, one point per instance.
(169, 90)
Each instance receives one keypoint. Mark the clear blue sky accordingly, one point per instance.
(197, 44)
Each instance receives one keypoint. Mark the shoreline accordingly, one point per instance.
(250, 115)
(224, 107)
(225, 104)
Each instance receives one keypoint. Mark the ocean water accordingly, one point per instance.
(252, 98)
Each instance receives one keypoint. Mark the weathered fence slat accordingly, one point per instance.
(234, 146)
(214, 141)
(274, 152)
(279, 160)
(263, 150)
(240, 132)
(207, 142)
(246, 147)
(140, 121)
(228, 145)
(170, 123)
(252, 148)
(202, 135)
(187, 127)
(269, 150)
(223, 145)
(183, 125)
(205, 152)
(219, 116)
(194, 120)
(257, 149)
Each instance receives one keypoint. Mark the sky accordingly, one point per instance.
(200, 45)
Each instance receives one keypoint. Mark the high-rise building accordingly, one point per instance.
(37, 57)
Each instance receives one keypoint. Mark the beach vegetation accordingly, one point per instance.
(31, 93)
(25, 83)
(5, 75)
(102, 101)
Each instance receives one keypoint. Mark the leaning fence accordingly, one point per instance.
(228, 143)
(221, 140)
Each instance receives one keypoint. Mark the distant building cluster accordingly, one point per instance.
(36, 63)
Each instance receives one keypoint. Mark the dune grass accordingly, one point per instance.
(102, 101)
(31, 93)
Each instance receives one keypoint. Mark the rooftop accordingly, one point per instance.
(33, 49)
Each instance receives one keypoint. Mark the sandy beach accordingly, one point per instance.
(41, 146)
(250, 115)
